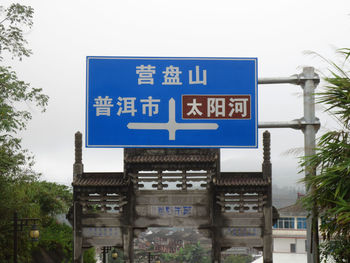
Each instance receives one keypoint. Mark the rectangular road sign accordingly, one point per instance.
(171, 102)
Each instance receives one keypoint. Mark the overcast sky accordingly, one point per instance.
(277, 32)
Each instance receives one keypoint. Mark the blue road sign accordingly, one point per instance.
(171, 102)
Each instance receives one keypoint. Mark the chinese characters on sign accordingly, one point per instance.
(173, 211)
(171, 102)
(171, 75)
(242, 231)
(103, 106)
(193, 106)
(101, 232)
(145, 74)
(150, 106)
(216, 107)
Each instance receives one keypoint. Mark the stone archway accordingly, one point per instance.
(233, 208)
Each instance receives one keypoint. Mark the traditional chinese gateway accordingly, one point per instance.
(172, 187)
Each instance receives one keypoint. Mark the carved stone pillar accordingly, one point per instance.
(78, 235)
(78, 167)
(77, 208)
(267, 231)
(128, 229)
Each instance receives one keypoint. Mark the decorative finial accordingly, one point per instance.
(267, 147)
(78, 165)
(78, 147)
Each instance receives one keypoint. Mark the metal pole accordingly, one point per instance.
(310, 145)
(291, 80)
(15, 217)
(149, 257)
(294, 79)
(295, 124)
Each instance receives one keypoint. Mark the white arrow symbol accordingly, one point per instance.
(171, 126)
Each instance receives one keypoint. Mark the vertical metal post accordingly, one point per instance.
(15, 217)
(309, 144)
(149, 257)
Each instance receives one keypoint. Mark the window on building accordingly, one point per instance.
(301, 223)
(285, 222)
(292, 248)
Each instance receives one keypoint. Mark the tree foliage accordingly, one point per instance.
(331, 187)
(15, 161)
(89, 256)
(42, 200)
(12, 21)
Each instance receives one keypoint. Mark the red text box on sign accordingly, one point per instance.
(216, 107)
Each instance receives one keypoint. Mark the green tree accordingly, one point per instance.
(14, 161)
(89, 256)
(331, 187)
(11, 31)
(42, 200)
(20, 189)
(192, 254)
(48, 201)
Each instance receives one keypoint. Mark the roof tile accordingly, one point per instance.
(170, 158)
(241, 179)
(99, 179)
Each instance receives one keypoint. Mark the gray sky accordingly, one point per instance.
(276, 32)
